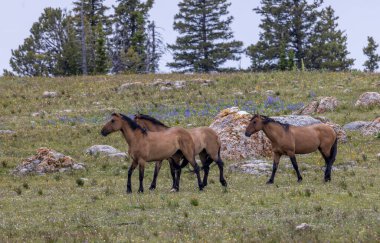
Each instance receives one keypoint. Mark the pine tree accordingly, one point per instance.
(129, 37)
(328, 45)
(205, 37)
(94, 14)
(101, 57)
(154, 48)
(286, 27)
(41, 52)
(370, 51)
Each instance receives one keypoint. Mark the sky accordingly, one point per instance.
(358, 18)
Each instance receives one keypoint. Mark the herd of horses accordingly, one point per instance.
(149, 140)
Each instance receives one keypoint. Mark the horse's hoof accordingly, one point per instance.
(129, 191)
(140, 191)
(269, 182)
(152, 188)
(224, 183)
(327, 179)
(174, 190)
(300, 180)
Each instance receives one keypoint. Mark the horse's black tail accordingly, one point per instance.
(333, 152)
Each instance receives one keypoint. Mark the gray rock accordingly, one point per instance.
(356, 125)
(370, 129)
(368, 99)
(49, 94)
(105, 150)
(270, 92)
(303, 226)
(78, 166)
(7, 132)
(127, 86)
(253, 167)
(164, 88)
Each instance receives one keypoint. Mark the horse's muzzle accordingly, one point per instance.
(247, 134)
(104, 133)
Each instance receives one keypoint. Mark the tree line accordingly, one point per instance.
(93, 38)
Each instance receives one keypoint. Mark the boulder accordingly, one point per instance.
(373, 128)
(368, 99)
(105, 150)
(230, 125)
(47, 161)
(322, 105)
(127, 86)
(303, 226)
(49, 94)
(356, 125)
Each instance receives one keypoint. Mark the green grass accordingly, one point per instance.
(92, 205)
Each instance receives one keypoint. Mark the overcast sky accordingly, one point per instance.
(359, 18)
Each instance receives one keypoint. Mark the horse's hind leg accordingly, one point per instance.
(276, 160)
(156, 170)
(215, 156)
(295, 166)
(206, 161)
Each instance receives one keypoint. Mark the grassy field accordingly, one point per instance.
(55, 208)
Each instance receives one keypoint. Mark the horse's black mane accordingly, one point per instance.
(132, 123)
(267, 120)
(152, 119)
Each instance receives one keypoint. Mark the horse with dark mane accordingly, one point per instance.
(207, 145)
(145, 146)
(290, 140)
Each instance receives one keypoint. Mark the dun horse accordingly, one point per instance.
(290, 140)
(146, 146)
(207, 145)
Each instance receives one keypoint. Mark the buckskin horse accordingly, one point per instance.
(145, 146)
(291, 140)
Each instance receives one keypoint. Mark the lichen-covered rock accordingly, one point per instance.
(230, 125)
(322, 105)
(253, 167)
(127, 86)
(105, 150)
(373, 128)
(368, 99)
(47, 161)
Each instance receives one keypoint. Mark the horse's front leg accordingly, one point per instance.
(276, 161)
(295, 166)
(130, 171)
(141, 175)
(156, 170)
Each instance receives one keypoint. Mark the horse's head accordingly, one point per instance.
(255, 125)
(113, 125)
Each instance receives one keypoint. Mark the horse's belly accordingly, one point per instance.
(306, 148)
(161, 151)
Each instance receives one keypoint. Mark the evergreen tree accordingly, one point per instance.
(94, 14)
(101, 57)
(328, 45)
(286, 27)
(154, 48)
(370, 51)
(129, 37)
(41, 54)
(205, 37)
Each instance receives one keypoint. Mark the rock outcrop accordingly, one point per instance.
(47, 161)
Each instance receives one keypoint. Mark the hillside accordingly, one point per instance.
(57, 207)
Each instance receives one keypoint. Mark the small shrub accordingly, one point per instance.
(307, 192)
(18, 190)
(25, 185)
(80, 182)
(4, 164)
(318, 208)
(173, 204)
(57, 177)
(343, 185)
(40, 192)
(194, 202)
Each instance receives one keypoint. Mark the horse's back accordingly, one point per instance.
(309, 138)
